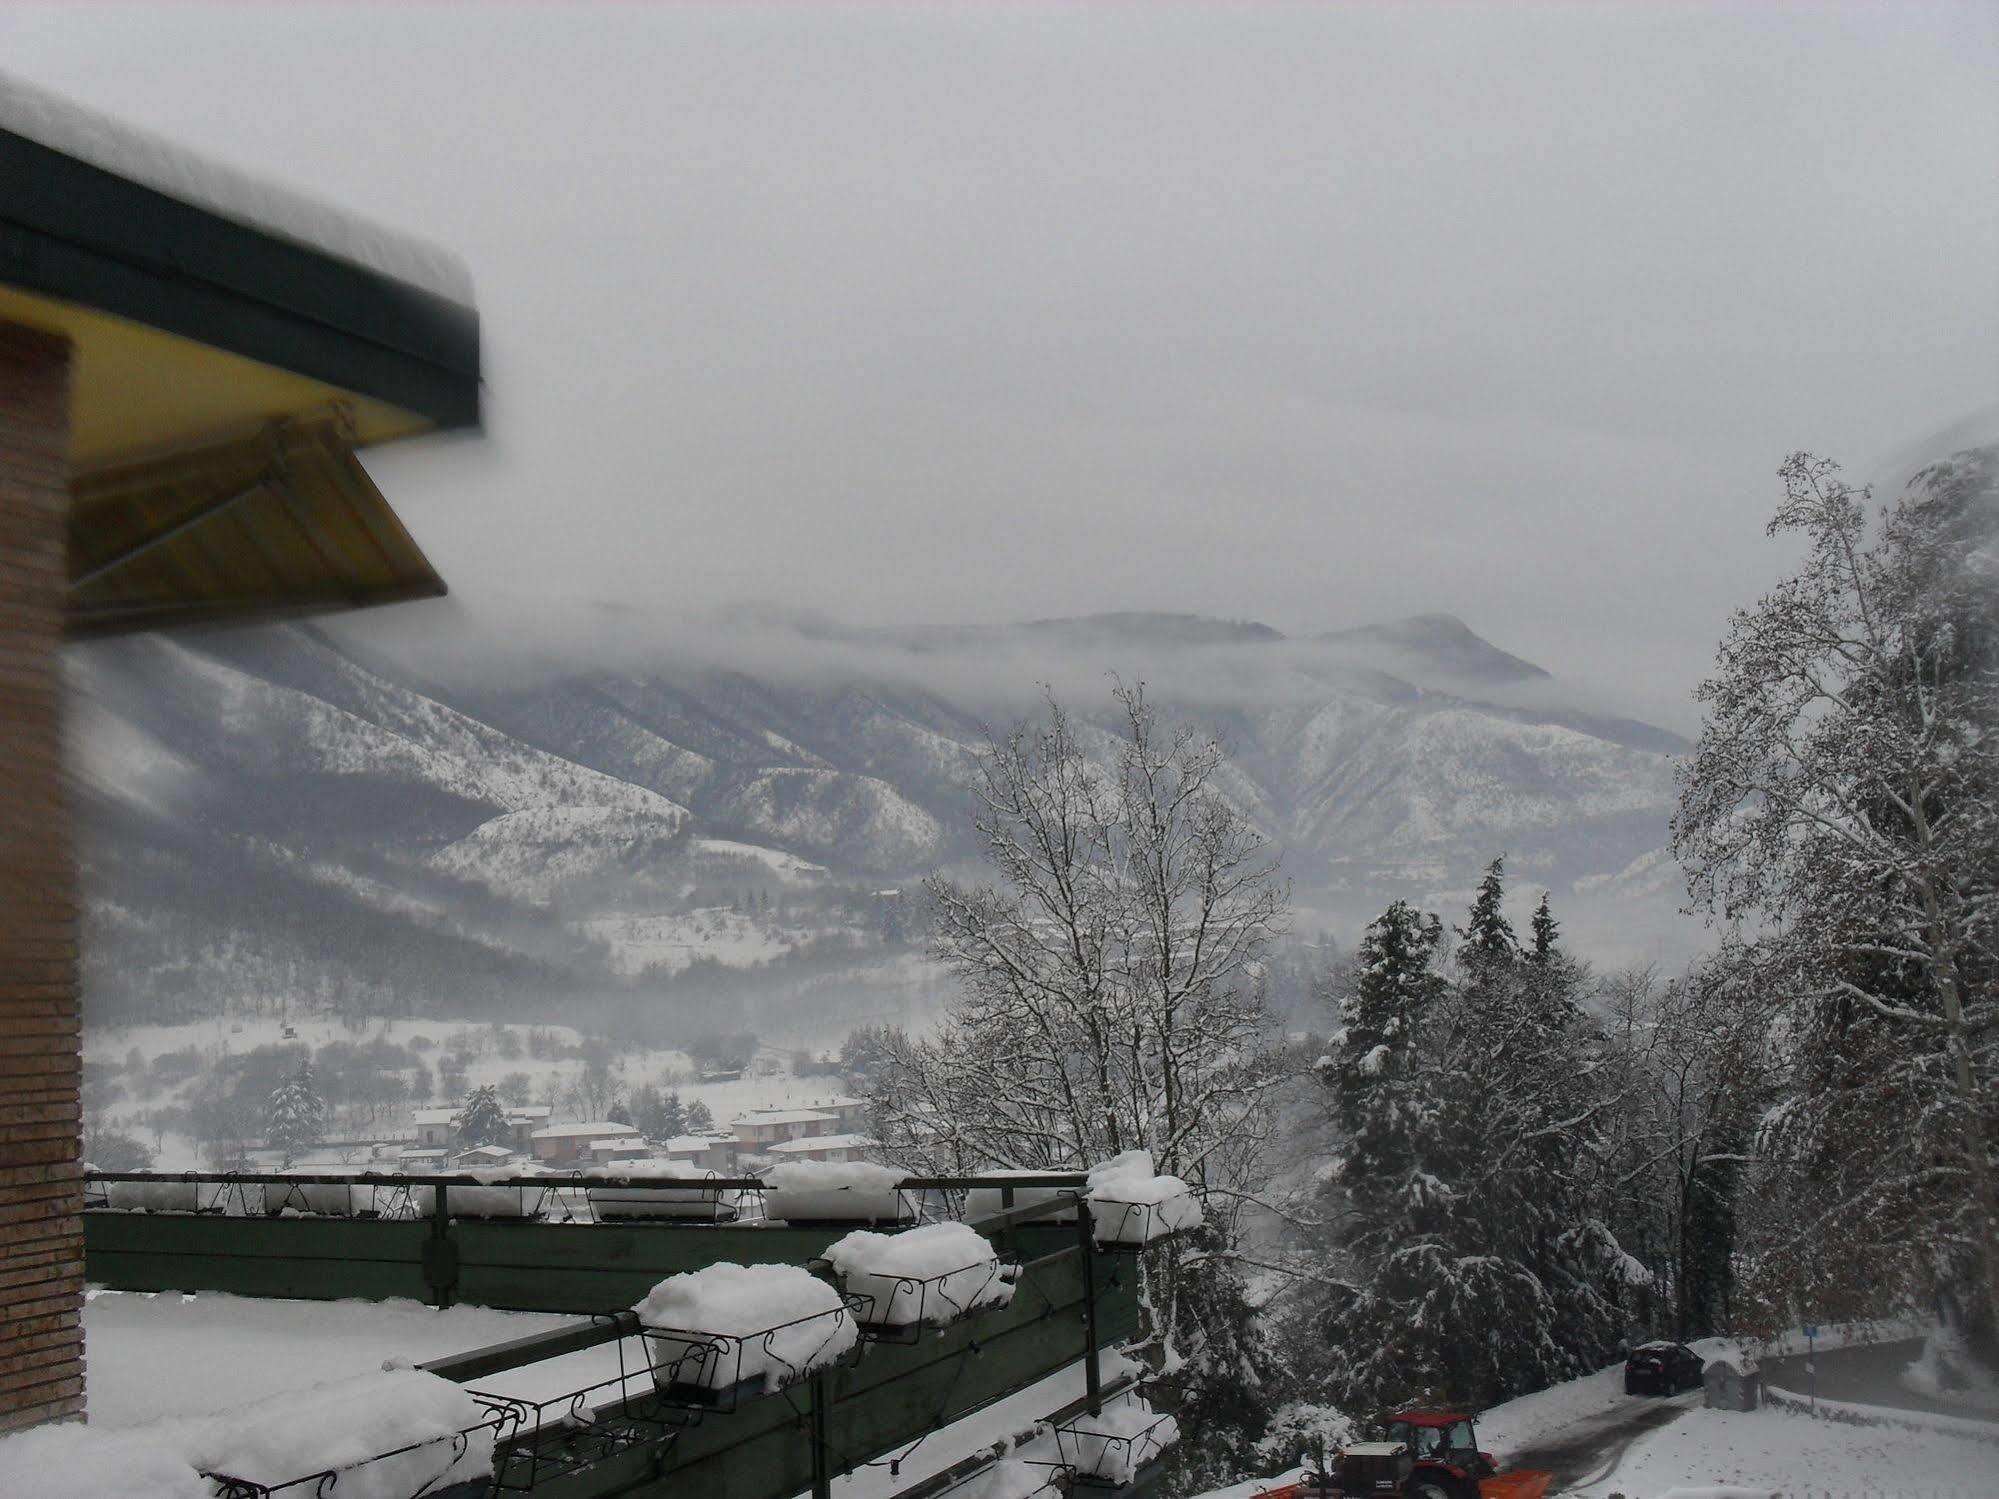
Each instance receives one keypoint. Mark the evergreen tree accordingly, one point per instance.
(674, 1119)
(699, 1120)
(298, 1116)
(1546, 929)
(483, 1120)
(1488, 940)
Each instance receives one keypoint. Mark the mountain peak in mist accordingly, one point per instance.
(1445, 643)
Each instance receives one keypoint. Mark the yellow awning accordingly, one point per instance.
(277, 520)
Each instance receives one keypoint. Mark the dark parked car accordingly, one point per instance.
(1662, 1369)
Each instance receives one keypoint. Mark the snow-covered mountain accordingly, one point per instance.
(274, 807)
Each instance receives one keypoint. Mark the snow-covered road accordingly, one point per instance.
(1588, 1452)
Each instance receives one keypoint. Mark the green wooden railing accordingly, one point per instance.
(1070, 1297)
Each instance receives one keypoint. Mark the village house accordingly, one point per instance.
(764, 1128)
(570, 1143)
(821, 1148)
(437, 1129)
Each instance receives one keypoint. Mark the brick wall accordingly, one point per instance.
(41, 1235)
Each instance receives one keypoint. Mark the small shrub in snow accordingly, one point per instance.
(726, 1324)
(836, 1192)
(1113, 1446)
(937, 1274)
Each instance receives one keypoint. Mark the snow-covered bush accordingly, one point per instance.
(1130, 1205)
(937, 1274)
(725, 1324)
(614, 1204)
(1304, 1432)
(836, 1192)
(1113, 1446)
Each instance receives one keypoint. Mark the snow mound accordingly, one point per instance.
(942, 1272)
(1131, 1205)
(835, 1192)
(725, 1324)
(86, 1462)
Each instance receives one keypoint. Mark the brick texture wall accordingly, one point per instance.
(41, 1233)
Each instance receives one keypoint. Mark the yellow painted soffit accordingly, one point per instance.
(135, 388)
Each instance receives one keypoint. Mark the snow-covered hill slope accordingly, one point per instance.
(574, 817)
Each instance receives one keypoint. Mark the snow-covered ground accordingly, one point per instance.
(1773, 1451)
(671, 943)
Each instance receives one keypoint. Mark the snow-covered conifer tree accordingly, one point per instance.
(483, 1120)
(298, 1116)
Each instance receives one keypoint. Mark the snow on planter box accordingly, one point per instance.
(836, 1192)
(357, 1429)
(983, 1202)
(153, 1197)
(706, 1204)
(318, 1199)
(718, 1328)
(930, 1276)
(1130, 1206)
(498, 1199)
(519, 1199)
(1110, 1448)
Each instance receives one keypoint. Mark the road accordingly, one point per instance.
(1864, 1376)
(1589, 1451)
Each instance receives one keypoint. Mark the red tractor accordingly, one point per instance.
(1418, 1454)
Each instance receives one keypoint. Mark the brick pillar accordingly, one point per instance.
(41, 1230)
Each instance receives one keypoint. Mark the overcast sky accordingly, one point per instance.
(1313, 315)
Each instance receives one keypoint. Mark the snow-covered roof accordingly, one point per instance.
(623, 1142)
(436, 1116)
(690, 1144)
(786, 1116)
(527, 1111)
(595, 1129)
(140, 156)
(422, 1155)
(814, 1144)
(491, 1152)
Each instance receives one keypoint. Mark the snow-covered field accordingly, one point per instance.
(771, 1084)
(671, 943)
